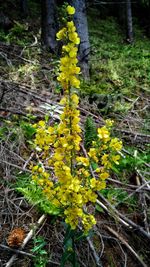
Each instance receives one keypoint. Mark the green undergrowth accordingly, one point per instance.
(118, 69)
(19, 34)
(131, 169)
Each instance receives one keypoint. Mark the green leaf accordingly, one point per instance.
(99, 208)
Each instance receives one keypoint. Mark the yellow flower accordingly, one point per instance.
(40, 169)
(115, 144)
(93, 154)
(104, 134)
(104, 175)
(41, 123)
(35, 168)
(70, 10)
(75, 99)
(93, 182)
(115, 159)
(101, 185)
(82, 160)
(109, 122)
(61, 34)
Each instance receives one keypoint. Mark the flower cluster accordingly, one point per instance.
(63, 172)
(68, 63)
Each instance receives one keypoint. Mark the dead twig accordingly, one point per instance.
(17, 251)
(96, 257)
(27, 162)
(124, 218)
(14, 165)
(137, 190)
(127, 245)
(127, 185)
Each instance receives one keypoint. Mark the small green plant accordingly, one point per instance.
(18, 34)
(17, 129)
(135, 160)
(90, 132)
(34, 194)
(41, 257)
(117, 196)
(69, 254)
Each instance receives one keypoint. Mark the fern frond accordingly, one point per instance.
(90, 132)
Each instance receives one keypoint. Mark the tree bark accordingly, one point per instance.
(48, 25)
(80, 19)
(129, 22)
(24, 8)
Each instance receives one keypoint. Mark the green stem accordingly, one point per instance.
(74, 253)
(70, 125)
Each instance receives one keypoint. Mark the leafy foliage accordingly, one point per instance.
(69, 249)
(90, 132)
(41, 257)
(35, 195)
(118, 196)
(18, 34)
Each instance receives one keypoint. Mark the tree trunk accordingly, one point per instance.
(129, 22)
(24, 8)
(48, 25)
(80, 20)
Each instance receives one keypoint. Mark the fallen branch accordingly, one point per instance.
(124, 218)
(133, 133)
(114, 215)
(127, 245)
(14, 165)
(96, 257)
(17, 251)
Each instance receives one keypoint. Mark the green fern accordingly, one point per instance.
(33, 193)
(90, 132)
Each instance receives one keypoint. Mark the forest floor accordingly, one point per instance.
(119, 89)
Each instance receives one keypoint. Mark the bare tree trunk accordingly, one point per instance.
(48, 25)
(80, 20)
(129, 22)
(24, 8)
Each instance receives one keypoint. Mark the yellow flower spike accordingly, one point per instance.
(70, 10)
(68, 184)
